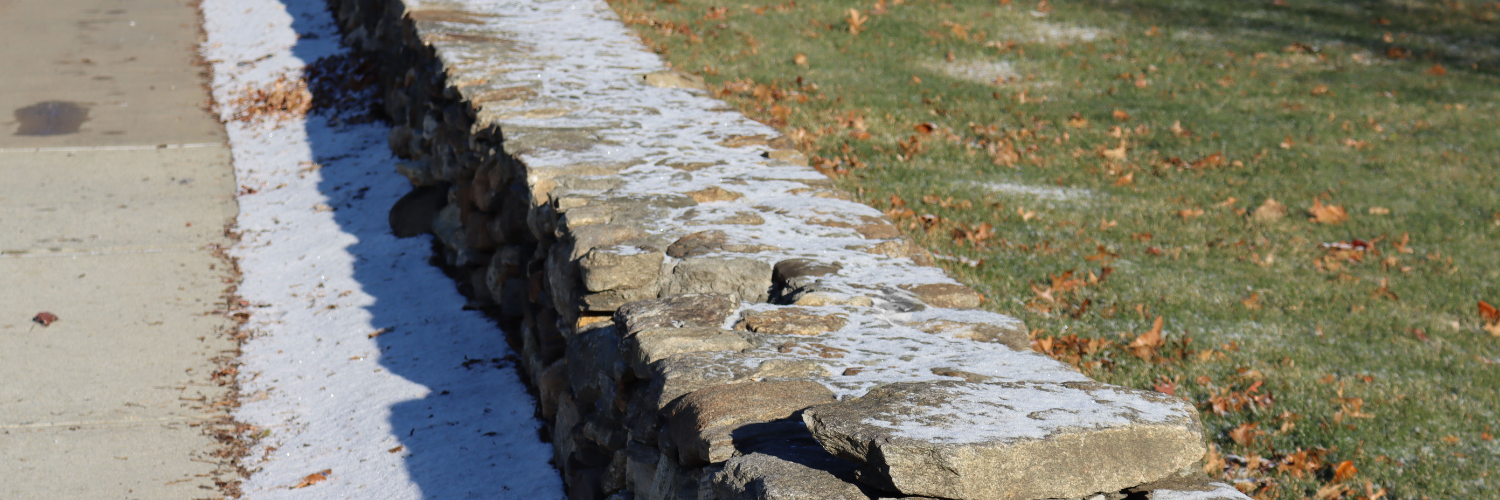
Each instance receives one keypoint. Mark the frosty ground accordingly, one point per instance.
(362, 361)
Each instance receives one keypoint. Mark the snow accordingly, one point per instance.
(362, 360)
(985, 413)
(1220, 491)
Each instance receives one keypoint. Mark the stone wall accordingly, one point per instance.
(702, 315)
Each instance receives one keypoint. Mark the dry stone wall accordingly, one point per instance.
(704, 316)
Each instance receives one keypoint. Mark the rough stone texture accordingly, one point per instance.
(684, 373)
(679, 311)
(595, 364)
(739, 278)
(653, 344)
(1009, 441)
(620, 267)
(791, 321)
(1011, 335)
(790, 470)
(948, 295)
(798, 268)
(704, 422)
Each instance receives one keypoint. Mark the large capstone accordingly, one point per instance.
(1009, 441)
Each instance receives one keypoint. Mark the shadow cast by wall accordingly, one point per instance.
(474, 435)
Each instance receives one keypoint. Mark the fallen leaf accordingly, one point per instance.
(1437, 70)
(1379, 211)
(801, 59)
(1244, 434)
(1189, 213)
(857, 22)
(1077, 121)
(1319, 90)
(1287, 143)
(1332, 491)
(396, 449)
(1327, 214)
(1491, 317)
(1178, 130)
(1450, 439)
(1252, 302)
(1121, 115)
(1117, 154)
(1126, 179)
(1269, 211)
(1343, 471)
(45, 318)
(314, 478)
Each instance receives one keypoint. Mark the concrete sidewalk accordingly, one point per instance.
(115, 181)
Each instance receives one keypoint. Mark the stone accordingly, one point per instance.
(620, 267)
(684, 373)
(674, 80)
(947, 295)
(791, 470)
(798, 268)
(412, 215)
(672, 482)
(790, 321)
(711, 241)
(418, 172)
(640, 466)
(901, 248)
(877, 229)
(589, 237)
(653, 344)
(699, 243)
(703, 422)
(1194, 487)
(1011, 333)
(680, 311)
(739, 278)
(550, 386)
(1011, 441)
(595, 365)
(712, 194)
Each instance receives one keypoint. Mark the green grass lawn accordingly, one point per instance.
(1091, 166)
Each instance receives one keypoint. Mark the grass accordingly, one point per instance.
(1091, 166)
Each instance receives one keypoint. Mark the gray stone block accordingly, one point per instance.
(1013, 441)
(653, 344)
(681, 311)
(704, 422)
(739, 278)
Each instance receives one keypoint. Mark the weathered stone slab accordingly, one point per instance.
(704, 422)
(653, 344)
(791, 321)
(739, 278)
(680, 311)
(684, 373)
(791, 470)
(1012, 441)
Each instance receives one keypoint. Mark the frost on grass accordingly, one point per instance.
(986, 72)
(1038, 192)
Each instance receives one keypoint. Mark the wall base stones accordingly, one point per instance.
(703, 316)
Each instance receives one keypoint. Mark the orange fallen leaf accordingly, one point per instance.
(1189, 213)
(1437, 70)
(1343, 471)
(1327, 214)
(1252, 302)
(800, 60)
(1319, 90)
(857, 22)
(314, 478)
(1117, 154)
(1126, 179)
(1450, 439)
(1491, 317)
(1121, 115)
(45, 318)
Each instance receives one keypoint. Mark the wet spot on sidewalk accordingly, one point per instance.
(51, 118)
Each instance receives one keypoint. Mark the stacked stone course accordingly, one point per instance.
(704, 316)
